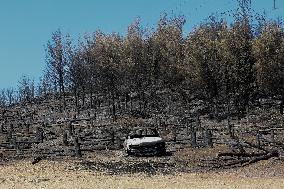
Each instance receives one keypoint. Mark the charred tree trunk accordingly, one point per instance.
(27, 129)
(39, 135)
(76, 100)
(208, 138)
(282, 105)
(131, 103)
(125, 101)
(174, 133)
(140, 102)
(10, 131)
(83, 98)
(231, 129)
(193, 137)
(91, 100)
(263, 157)
(78, 152)
(62, 91)
(113, 108)
(64, 138)
(258, 140)
(145, 103)
(70, 128)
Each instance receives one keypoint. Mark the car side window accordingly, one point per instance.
(132, 134)
(152, 132)
(144, 132)
(138, 133)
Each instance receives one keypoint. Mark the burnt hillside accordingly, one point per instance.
(42, 130)
(221, 84)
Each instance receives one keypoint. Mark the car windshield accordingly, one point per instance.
(147, 132)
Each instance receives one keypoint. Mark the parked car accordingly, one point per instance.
(144, 141)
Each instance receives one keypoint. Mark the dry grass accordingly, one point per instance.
(62, 174)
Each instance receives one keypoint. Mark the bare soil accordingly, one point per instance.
(112, 169)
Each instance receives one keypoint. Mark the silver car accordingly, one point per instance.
(144, 141)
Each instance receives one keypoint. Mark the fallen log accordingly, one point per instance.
(240, 154)
(263, 157)
(245, 159)
(247, 144)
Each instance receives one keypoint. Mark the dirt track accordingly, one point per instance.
(67, 174)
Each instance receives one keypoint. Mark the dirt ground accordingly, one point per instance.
(111, 170)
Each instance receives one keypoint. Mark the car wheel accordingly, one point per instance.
(129, 153)
(162, 152)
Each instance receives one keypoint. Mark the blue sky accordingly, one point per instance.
(26, 25)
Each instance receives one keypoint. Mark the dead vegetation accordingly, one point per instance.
(194, 142)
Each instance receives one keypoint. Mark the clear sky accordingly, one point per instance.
(26, 25)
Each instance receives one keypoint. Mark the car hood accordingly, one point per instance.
(144, 141)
